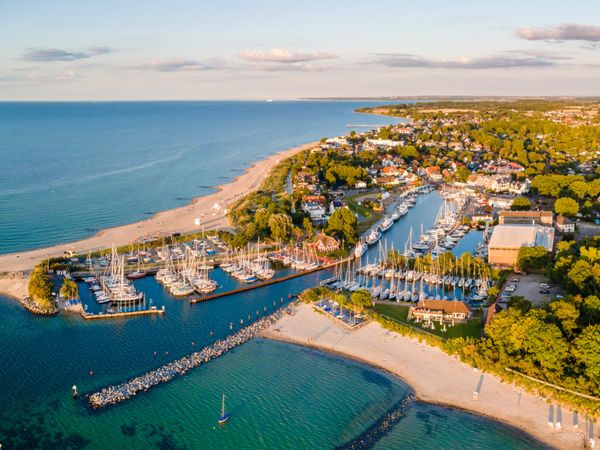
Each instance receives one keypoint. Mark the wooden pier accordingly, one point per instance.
(263, 283)
(143, 312)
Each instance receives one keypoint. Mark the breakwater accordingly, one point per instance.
(120, 392)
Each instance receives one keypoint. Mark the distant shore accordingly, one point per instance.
(210, 209)
(435, 376)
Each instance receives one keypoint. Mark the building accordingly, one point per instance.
(360, 185)
(565, 225)
(442, 311)
(325, 244)
(526, 218)
(506, 240)
(316, 211)
(387, 181)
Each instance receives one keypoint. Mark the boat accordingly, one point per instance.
(386, 224)
(225, 416)
(137, 274)
(360, 249)
(373, 236)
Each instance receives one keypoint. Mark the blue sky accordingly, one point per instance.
(86, 50)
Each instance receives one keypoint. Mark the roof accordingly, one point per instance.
(515, 236)
(526, 214)
(447, 306)
(562, 220)
(325, 241)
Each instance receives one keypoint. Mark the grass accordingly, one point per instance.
(370, 216)
(399, 313)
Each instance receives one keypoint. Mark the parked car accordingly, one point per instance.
(515, 280)
(544, 286)
(544, 291)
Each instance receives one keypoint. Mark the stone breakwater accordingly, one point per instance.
(120, 392)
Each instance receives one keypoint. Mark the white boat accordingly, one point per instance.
(373, 236)
(386, 224)
(360, 249)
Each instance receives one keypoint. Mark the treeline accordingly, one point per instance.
(576, 266)
(40, 290)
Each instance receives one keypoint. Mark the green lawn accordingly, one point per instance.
(370, 216)
(399, 313)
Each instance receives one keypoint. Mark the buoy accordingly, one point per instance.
(211, 333)
(167, 353)
(91, 373)
(154, 353)
(192, 343)
(74, 391)
(231, 325)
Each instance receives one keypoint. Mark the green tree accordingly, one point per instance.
(579, 188)
(566, 315)
(462, 174)
(308, 226)
(566, 206)
(342, 224)
(532, 258)
(40, 287)
(361, 299)
(520, 303)
(520, 204)
(281, 226)
(69, 289)
(586, 351)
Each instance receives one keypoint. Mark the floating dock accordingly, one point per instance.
(262, 283)
(143, 312)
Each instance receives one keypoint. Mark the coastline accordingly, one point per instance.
(210, 209)
(435, 377)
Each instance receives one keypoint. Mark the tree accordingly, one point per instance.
(308, 226)
(586, 351)
(361, 299)
(342, 224)
(520, 204)
(281, 226)
(520, 303)
(566, 314)
(566, 206)
(579, 188)
(462, 174)
(69, 289)
(532, 258)
(40, 287)
(409, 153)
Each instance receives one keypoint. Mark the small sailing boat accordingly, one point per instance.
(225, 416)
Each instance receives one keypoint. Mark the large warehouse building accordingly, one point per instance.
(506, 240)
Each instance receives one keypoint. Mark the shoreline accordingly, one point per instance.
(435, 377)
(209, 208)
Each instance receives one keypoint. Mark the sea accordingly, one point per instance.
(74, 167)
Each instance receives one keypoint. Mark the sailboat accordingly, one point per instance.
(225, 416)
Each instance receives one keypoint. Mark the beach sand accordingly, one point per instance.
(14, 286)
(210, 209)
(435, 376)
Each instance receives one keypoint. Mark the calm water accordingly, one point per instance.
(69, 169)
(280, 395)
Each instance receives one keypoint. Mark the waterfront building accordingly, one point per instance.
(506, 240)
(565, 225)
(325, 244)
(526, 218)
(442, 311)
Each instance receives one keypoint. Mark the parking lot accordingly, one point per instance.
(529, 287)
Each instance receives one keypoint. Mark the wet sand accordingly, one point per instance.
(435, 376)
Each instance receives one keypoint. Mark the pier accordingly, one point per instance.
(141, 312)
(120, 392)
(264, 283)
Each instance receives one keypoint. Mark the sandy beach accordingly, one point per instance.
(435, 376)
(210, 209)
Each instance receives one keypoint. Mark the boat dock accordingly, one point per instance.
(120, 392)
(264, 283)
(142, 312)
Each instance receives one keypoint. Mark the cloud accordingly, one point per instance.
(563, 32)
(175, 65)
(277, 55)
(404, 60)
(56, 54)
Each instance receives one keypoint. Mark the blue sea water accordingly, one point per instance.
(70, 169)
(110, 163)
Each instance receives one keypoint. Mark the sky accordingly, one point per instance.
(187, 50)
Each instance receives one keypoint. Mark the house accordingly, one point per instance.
(565, 225)
(325, 244)
(442, 311)
(506, 240)
(316, 211)
(526, 218)
(390, 171)
(305, 179)
(387, 181)
(315, 199)
(434, 173)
